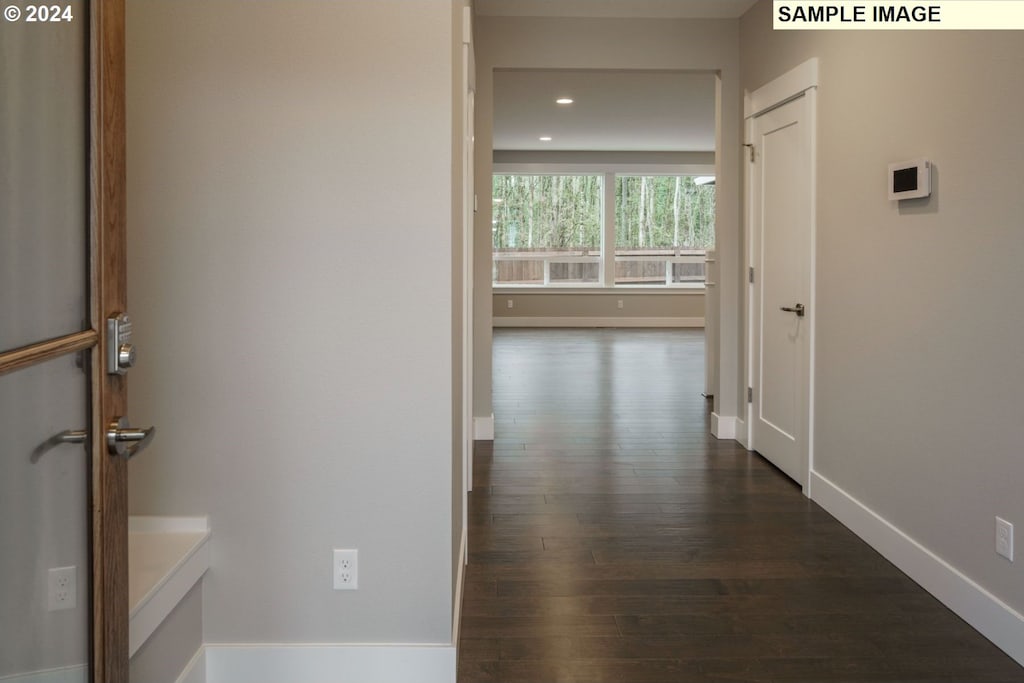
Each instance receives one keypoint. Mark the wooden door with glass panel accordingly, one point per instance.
(63, 496)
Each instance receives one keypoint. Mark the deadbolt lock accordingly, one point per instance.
(120, 350)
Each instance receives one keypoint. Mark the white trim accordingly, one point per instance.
(993, 618)
(811, 95)
(782, 89)
(468, 219)
(607, 270)
(691, 289)
(588, 168)
(460, 587)
(143, 524)
(467, 25)
(742, 434)
(65, 674)
(195, 670)
(483, 428)
(173, 580)
(723, 426)
(596, 321)
(316, 663)
(747, 212)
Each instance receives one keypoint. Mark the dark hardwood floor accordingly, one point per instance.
(612, 539)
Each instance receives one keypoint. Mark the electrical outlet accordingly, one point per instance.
(1004, 538)
(62, 590)
(620, 303)
(346, 570)
(510, 304)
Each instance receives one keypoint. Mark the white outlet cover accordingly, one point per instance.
(346, 569)
(1004, 538)
(62, 588)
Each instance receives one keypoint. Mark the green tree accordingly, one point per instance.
(564, 212)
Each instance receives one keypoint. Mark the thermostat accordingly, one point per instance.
(910, 179)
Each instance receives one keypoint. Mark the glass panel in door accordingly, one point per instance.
(44, 283)
(44, 523)
(43, 179)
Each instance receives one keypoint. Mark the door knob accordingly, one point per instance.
(798, 309)
(127, 441)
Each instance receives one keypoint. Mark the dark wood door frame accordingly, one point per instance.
(109, 234)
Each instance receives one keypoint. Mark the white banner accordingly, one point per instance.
(879, 15)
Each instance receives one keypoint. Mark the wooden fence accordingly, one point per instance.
(632, 267)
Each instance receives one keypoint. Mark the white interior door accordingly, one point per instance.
(782, 241)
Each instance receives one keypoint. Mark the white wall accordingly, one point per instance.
(290, 217)
(919, 318)
(659, 307)
(577, 43)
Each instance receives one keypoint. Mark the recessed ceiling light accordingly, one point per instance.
(545, 138)
(564, 100)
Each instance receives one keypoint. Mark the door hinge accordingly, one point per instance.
(751, 147)
(750, 394)
(751, 273)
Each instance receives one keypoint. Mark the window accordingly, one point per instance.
(551, 230)
(547, 229)
(663, 225)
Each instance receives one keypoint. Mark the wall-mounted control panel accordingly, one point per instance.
(120, 350)
(910, 179)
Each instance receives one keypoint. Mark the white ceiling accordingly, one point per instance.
(637, 111)
(614, 110)
(639, 9)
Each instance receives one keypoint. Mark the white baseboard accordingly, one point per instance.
(723, 426)
(993, 618)
(460, 588)
(195, 671)
(741, 433)
(585, 321)
(483, 428)
(311, 663)
(66, 674)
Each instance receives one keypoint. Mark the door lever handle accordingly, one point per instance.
(70, 436)
(67, 436)
(798, 309)
(126, 441)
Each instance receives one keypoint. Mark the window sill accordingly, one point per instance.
(627, 290)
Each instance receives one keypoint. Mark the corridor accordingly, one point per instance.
(611, 538)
